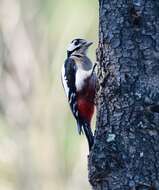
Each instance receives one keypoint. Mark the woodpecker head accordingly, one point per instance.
(78, 46)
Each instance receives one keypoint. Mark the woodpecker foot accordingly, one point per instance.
(94, 66)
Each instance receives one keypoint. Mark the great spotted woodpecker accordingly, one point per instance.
(79, 81)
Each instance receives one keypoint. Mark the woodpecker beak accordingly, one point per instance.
(89, 44)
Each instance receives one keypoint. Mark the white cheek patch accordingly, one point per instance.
(71, 47)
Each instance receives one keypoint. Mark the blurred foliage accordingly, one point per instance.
(39, 145)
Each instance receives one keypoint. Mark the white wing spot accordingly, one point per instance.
(74, 106)
(76, 113)
(64, 81)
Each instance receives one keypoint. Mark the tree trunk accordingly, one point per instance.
(125, 154)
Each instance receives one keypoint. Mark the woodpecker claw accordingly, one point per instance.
(94, 66)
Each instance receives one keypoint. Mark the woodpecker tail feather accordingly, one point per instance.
(89, 135)
(85, 126)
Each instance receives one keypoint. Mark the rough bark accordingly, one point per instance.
(125, 154)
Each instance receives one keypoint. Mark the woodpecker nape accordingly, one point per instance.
(79, 81)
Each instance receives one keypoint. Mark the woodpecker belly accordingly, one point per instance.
(86, 109)
(85, 99)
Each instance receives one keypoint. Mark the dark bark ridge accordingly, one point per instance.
(125, 154)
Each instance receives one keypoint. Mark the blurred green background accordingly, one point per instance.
(39, 145)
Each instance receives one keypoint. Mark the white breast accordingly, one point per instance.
(81, 75)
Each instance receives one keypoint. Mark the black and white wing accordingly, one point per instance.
(68, 81)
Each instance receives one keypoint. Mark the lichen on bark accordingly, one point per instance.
(125, 154)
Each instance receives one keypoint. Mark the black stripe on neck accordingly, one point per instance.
(78, 55)
(70, 52)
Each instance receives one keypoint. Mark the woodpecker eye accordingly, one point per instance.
(76, 43)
